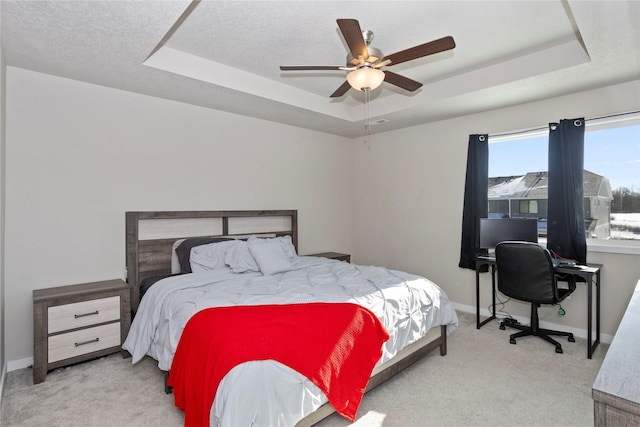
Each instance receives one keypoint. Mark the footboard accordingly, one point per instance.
(436, 338)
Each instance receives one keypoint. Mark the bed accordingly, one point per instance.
(265, 392)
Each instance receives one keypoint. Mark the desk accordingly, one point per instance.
(588, 273)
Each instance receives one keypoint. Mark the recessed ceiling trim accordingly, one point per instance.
(516, 67)
(545, 60)
(551, 58)
(196, 67)
(176, 25)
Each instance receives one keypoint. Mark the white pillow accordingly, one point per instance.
(272, 255)
(287, 245)
(210, 256)
(175, 262)
(239, 258)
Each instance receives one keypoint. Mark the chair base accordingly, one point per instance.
(535, 330)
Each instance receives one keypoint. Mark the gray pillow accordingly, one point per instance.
(183, 251)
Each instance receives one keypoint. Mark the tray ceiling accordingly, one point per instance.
(225, 54)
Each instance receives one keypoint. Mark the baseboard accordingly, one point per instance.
(3, 381)
(14, 365)
(578, 332)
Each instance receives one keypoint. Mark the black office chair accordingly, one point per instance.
(525, 273)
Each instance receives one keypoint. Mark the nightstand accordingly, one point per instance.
(334, 255)
(75, 323)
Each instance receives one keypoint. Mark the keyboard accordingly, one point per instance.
(562, 263)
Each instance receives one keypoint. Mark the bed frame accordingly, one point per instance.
(149, 242)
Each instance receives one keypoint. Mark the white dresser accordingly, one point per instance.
(616, 390)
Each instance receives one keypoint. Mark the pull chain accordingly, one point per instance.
(367, 122)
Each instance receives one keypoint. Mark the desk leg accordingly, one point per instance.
(493, 291)
(591, 345)
(477, 297)
(493, 302)
(597, 308)
(590, 315)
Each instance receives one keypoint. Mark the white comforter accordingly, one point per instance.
(407, 305)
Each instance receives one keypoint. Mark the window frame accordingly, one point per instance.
(628, 247)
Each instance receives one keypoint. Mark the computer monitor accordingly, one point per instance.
(496, 230)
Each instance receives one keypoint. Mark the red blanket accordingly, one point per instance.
(336, 346)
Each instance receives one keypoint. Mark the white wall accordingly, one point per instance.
(80, 155)
(409, 188)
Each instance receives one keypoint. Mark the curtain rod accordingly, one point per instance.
(541, 128)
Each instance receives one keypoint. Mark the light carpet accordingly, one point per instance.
(482, 381)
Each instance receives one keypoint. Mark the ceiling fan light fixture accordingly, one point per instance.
(365, 78)
(364, 62)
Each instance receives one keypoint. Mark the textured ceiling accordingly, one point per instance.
(225, 54)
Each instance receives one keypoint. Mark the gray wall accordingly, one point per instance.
(409, 187)
(79, 155)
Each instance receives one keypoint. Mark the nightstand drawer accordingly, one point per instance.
(81, 314)
(83, 341)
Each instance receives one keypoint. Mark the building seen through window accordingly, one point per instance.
(518, 181)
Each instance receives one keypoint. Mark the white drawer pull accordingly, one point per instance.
(93, 313)
(78, 344)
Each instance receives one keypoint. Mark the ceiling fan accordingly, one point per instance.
(364, 63)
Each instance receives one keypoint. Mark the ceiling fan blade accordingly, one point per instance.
(435, 46)
(401, 81)
(310, 67)
(341, 90)
(352, 34)
(380, 63)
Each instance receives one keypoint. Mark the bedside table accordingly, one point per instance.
(334, 255)
(75, 323)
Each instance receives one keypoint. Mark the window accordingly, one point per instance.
(518, 180)
(529, 206)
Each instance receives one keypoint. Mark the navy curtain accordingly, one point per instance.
(565, 217)
(475, 199)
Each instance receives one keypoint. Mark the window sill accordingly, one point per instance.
(628, 247)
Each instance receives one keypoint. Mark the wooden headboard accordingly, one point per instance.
(150, 236)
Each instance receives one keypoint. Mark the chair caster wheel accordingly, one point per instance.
(558, 349)
(512, 340)
(571, 339)
(502, 327)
